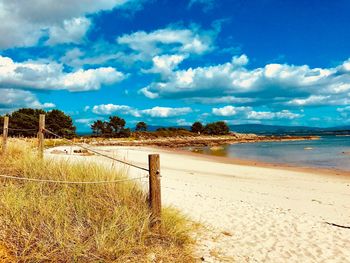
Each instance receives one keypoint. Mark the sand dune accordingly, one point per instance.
(254, 214)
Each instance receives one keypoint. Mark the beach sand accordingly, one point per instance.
(251, 213)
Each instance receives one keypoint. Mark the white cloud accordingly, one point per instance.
(320, 100)
(155, 112)
(108, 109)
(24, 22)
(85, 121)
(273, 83)
(12, 99)
(229, 110)
(165, 64)
(250, 114)
(100, 53)
(165, 112)
(50, 76)
(268, 115)
(167, 41)
(223, 99)
(72, 31)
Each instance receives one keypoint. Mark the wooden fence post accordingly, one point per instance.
(154, 189)
(41, 135)
(5, 134)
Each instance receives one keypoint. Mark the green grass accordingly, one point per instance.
(42, 222)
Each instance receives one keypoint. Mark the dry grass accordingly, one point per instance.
(41, 222)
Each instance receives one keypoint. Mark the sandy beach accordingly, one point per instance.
(251, 213)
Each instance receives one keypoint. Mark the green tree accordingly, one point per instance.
(197, 127)
(97, 127)
(24, 122)
(117, 124)
(141, 126)
(217, 128)
(60, 123)
(115, 127)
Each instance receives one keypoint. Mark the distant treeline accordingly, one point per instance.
(24, 122)
(115, 127)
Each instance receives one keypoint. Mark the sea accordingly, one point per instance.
(332, 152)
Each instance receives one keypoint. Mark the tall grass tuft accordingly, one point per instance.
(44, 222)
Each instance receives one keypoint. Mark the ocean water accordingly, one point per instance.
(328, 152)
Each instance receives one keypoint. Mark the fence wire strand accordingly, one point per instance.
(98, 153)
(15, 129)
(69, 182)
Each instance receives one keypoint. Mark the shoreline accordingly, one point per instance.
(197, 141)
(257, 163)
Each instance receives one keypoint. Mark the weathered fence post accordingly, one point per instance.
(4, 134)
(154, 189)
(41, 135)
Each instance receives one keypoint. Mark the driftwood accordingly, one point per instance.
(332, 224)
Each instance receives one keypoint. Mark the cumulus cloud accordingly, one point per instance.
(12, 99)
(268, 115)
(85, 121)
(167, 41)
(165, 64)
(108, 109)
(72, 31)
(165, 112)
(286, 84)
(51, 76)
(250, 114)
(155, 112)
(27, 21)
(229, 110)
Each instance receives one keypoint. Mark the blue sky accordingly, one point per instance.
(175, 62)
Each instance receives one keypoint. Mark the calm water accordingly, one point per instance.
(328, 152)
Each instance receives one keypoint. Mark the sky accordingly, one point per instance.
(171, 63)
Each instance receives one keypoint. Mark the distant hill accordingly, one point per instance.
(278, 129)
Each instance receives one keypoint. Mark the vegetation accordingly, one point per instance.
(115, 127)
(141, 126)
(216, 128)
(24, 122)
(197, 127)
(42, 222)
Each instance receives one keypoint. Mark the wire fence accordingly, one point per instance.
(69, 182)
(97, 152)
(77, 182)
(153, 173)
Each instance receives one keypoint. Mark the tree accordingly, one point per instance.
(24, 122)
(60, 123)
(141, 126)
(197, 127)
(97, 127)
(117, 124)
(216, 128)
(115, 127)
